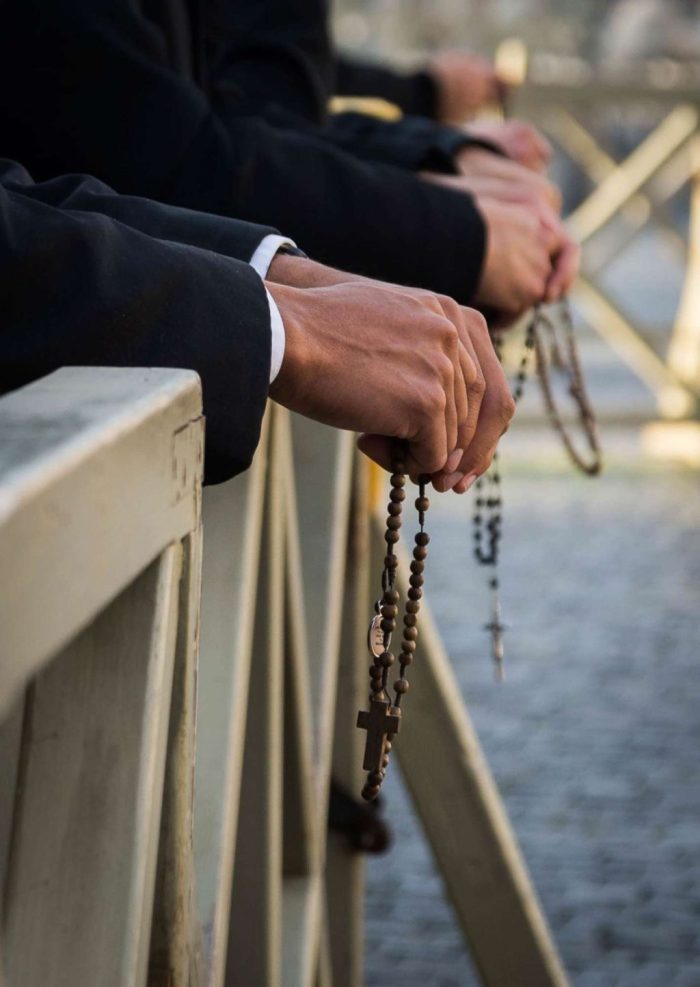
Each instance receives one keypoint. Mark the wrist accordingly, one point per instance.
(301, 272)
(293, 306)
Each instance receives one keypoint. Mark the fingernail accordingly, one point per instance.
(450, 480)
(454, 460)
(470, 480)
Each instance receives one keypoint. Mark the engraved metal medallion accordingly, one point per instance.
(375, 636)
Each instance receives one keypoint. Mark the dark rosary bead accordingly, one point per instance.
(422, 538)
(388, 625)
(386, 659)
(405, 658)
(408, 647)
(417, 566)
(390, 596)
(419, 552)
(422, 504)
(393, 523)
(416, 579)
(410, 633)
(387, 746)
(391, 537)
(385, 762)
(394, 509)
(412, 604)
(410, 620)
(414, 593)
(389, 610)
(398, 480)
(397, 495)
(375, 778)
(370, 792)
(401, 686)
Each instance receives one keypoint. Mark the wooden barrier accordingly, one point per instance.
(141, 844)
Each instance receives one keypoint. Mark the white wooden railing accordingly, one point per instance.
(141, 843)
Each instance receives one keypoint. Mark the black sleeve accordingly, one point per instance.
(92, 92)
(230, 237)
(81, 289)
(414, 93)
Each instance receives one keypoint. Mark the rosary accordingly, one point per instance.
(383, 719)
(488, 502)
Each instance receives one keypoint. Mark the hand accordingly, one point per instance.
(517, 265)
(482, 172)
(519, 140)
(490, 404)
(389, 362)
(464, 84)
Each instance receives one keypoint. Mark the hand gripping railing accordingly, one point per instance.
(133, 851)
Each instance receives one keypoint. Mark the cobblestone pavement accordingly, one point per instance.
(594, 740)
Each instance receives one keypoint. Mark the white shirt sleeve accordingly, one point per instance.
(266, 250)
(260, 262)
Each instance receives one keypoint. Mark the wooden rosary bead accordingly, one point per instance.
(389, 610)
(387, 746)
(393, 523)
(422, 538)
(414, 593)
(408, 646)
(390, 595)
(417, 566)
(386, 659)
(397, 495)
(416, 579)
(410, 633)
(420, 553)
(398, 479)
(390, 562)
(391, 537)
(388, 626)
(410, 620)
(370, 792)
(401, 686)
(405, 658)
(393, 509)
(422, 504)
(375, 778)
(385, 762)
(412, 604)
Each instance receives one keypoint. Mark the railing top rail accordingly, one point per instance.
(100, 469)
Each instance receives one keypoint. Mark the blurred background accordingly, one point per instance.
(594, 739)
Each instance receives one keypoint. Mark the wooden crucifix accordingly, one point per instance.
(382, 721)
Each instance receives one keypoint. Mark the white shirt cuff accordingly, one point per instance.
(278, 337)
(266, 250)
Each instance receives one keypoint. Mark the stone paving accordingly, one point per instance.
(594, 740)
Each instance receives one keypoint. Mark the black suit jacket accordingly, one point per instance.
(91, 278)
(136, 92)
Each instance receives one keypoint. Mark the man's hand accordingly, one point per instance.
(464, 83)
(519, 140)
(393, 363)
(482, 172)
(517, 265)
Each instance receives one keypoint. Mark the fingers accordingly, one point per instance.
(496, 409)
(564, 270)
